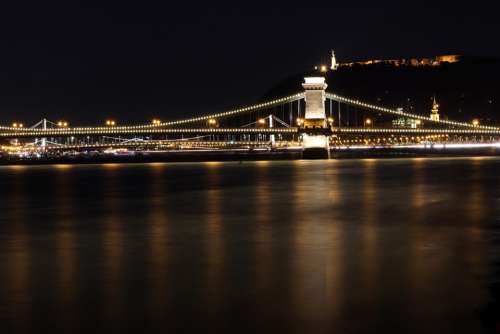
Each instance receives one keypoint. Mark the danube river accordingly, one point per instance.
(338, 246)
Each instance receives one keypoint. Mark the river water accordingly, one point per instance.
(338, 246)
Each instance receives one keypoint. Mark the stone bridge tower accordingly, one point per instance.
(315, 130)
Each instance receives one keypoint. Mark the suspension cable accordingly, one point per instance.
(373, 107)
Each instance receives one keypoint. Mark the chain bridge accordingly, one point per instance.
(314, 120)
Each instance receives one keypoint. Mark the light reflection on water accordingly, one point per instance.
(345, 246)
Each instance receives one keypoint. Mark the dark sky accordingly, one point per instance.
(86, 61)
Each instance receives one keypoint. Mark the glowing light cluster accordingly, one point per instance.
(174, 142)
(421, 146)
(120, 130)
(389, 130)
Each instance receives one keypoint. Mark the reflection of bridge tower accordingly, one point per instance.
(315, 131)
(435, 110)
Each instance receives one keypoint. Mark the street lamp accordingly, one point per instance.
(368, 122)
(300, 121)
(110, 123)
(156, 122)
(62, 124)
(330, 120)
(17, 125)
(475, 122)
(262, 121)
(212, 122)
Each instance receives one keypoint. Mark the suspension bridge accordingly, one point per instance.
(313, 120)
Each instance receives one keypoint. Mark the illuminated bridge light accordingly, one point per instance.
(17, 129)
(290, 98)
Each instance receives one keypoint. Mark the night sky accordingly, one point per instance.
(87, 61)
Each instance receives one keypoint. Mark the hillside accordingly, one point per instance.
(465, 90)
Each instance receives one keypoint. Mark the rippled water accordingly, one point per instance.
(339, 246)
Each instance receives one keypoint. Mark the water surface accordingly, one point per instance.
(339, 246)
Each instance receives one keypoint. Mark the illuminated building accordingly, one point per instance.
(403, 122)
(435, 110)
(334, 64)
(413, 62)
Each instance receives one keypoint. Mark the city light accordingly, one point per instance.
(156, 122)
(262, 121)
(110, 123)
(330, 120)
(323, 68)
(300, 121)
(475, 122)
(62, 124)
(17, 125)
(212, 122)
(368, 122)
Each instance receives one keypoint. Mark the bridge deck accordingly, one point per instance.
(215, 131)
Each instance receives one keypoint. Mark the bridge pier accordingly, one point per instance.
(271, 125)
(315, 130)
(44, 140)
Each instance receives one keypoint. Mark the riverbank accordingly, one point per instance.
(164, 156)
(244, 155)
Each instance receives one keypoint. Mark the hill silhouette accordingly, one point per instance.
(465, 90)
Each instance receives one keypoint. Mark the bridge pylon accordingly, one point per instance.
(315, 129)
